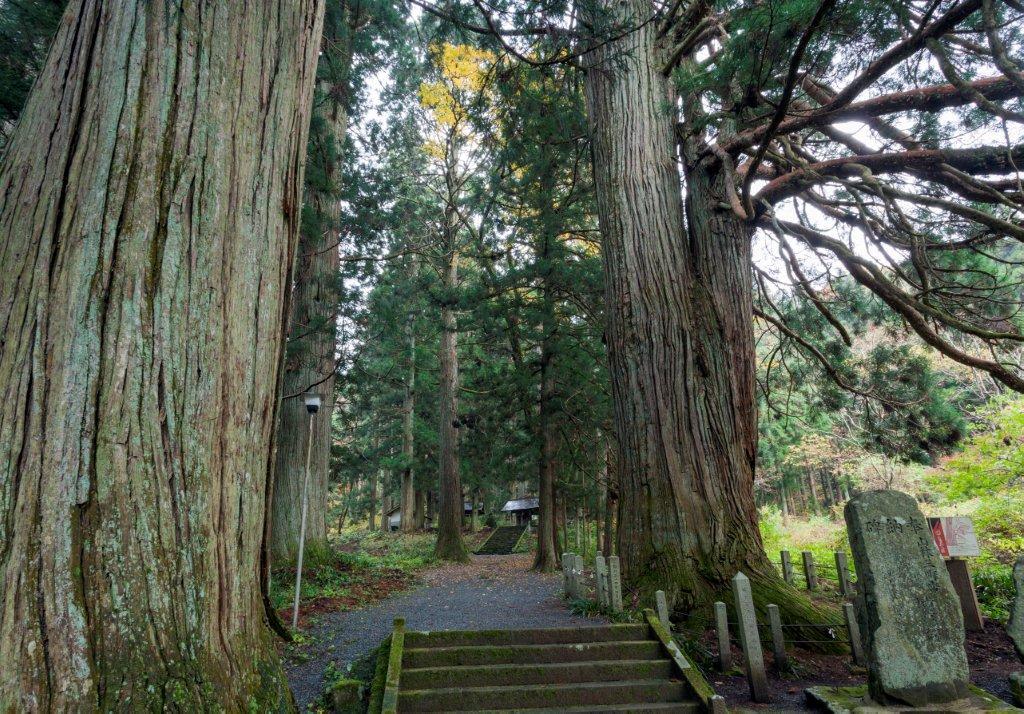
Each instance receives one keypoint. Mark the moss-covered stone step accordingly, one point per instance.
(653, 708)
(847, 700)
(541, 636)
(561, 673)
(529, 654)
(502, 541)
(542, 695)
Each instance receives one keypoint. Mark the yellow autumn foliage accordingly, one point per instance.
(463, 69)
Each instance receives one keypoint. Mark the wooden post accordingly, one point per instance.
(778, 641)
(722, 629)
(960, 576)
(750, 641)
(601, 580)
(845, 587)
(787, 567)
(615, 583)
(810, 574)
(662, 607)
(854, 632)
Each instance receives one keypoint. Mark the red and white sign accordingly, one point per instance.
(954, 536)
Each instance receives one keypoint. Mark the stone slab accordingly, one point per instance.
(750, 639)
(1017, 688)
(346, 696)
(909, 614)
(1015, 627)
(855, 700)
(615, 583)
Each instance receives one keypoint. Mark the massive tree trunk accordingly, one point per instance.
(546, 558)
(310, 361)
(149, 211)
(450, 544)
(408, 485)
(680, 338)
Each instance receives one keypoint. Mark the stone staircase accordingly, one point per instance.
(503, 540)
(612, 668)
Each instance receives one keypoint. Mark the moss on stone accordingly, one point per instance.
(380, 676)
(346, 696)
(854, 700)
(1017, 688)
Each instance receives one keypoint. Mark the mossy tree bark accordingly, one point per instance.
(420, 511)
(408, 484)
(372, 522)
(310, 357)
(149, 211)
(450, 544)
(680, 342)
(546, 558)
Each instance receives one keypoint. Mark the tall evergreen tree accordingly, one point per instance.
(707, 122)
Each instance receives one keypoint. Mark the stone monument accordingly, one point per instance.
(909, 613)
(1015, 629)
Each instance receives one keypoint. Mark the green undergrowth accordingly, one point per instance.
(821, 535)
(365, 675)
(353, 568)
(528, 543)
(998, 521)
(590, 608)
(993, 583)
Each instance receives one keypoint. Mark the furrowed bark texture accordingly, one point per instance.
(372, 521)
(546, 558)
(420, 512)
(679, 337)
(408, 492)
(149, 210)
(450, 544)
(310, 366)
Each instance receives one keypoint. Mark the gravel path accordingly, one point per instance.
(492, 592)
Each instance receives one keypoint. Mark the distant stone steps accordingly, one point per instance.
(503, 540)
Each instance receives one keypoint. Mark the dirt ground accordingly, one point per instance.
(989, 653)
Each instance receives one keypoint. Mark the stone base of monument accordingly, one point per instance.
(855, 700)
(1017, 688)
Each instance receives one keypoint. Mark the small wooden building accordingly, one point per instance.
(394, 515)
(394, 518)
(521, 510)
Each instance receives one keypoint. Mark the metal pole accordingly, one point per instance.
(302, 527)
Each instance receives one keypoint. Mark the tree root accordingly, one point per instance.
(807, 624)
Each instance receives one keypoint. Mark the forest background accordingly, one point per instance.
(447, 185)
